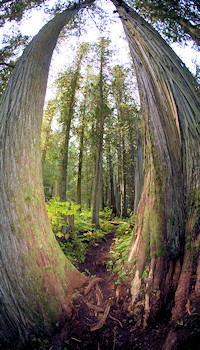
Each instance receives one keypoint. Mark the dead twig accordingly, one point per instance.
(79, 341)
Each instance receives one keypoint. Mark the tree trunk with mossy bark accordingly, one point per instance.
(36, 280)
(167, 228)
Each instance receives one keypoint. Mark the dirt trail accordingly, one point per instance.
(98, 310)
(97, 257)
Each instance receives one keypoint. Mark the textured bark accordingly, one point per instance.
(138, 174)
(36, 279)
(168, 212)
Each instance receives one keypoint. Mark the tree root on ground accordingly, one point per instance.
(92, 284)
(103, 319)
(94, 299)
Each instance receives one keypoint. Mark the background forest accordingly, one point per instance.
(90, 141)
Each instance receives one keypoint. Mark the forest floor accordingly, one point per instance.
(99, 320)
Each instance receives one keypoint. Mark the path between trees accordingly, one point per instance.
(99, 320)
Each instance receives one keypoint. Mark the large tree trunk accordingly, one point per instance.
(36, 279)
(166, 247)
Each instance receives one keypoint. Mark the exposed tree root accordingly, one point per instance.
(100, 309)
(103, 319)
(115, 319)
(99, 295)
(92, 283)
(94, 307)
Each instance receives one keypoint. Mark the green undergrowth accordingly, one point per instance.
(119, 251)
(75, 242)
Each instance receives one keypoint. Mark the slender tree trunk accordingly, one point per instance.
(64, 164)
(36, 279)
(80, 163)
(46, 130)
(98, 165)
(123, 183)
(67, 126)
(119, 179)
(112, 192)
(168, 213)
(97, 178)
(122, 171)
(131, 163)
(46, 141)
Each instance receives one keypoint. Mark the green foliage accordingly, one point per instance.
(40, 343)
(12, 45)
(14, 10)
(119, 250)
(176, 20)
(75, 243)
(105, 213)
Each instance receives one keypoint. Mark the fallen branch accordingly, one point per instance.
(102, 320)
(79, 341)
(118, 222)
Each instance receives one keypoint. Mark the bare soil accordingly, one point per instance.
(100, 320)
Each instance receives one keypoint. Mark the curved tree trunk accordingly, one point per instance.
(36, 279)
(166, 246)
